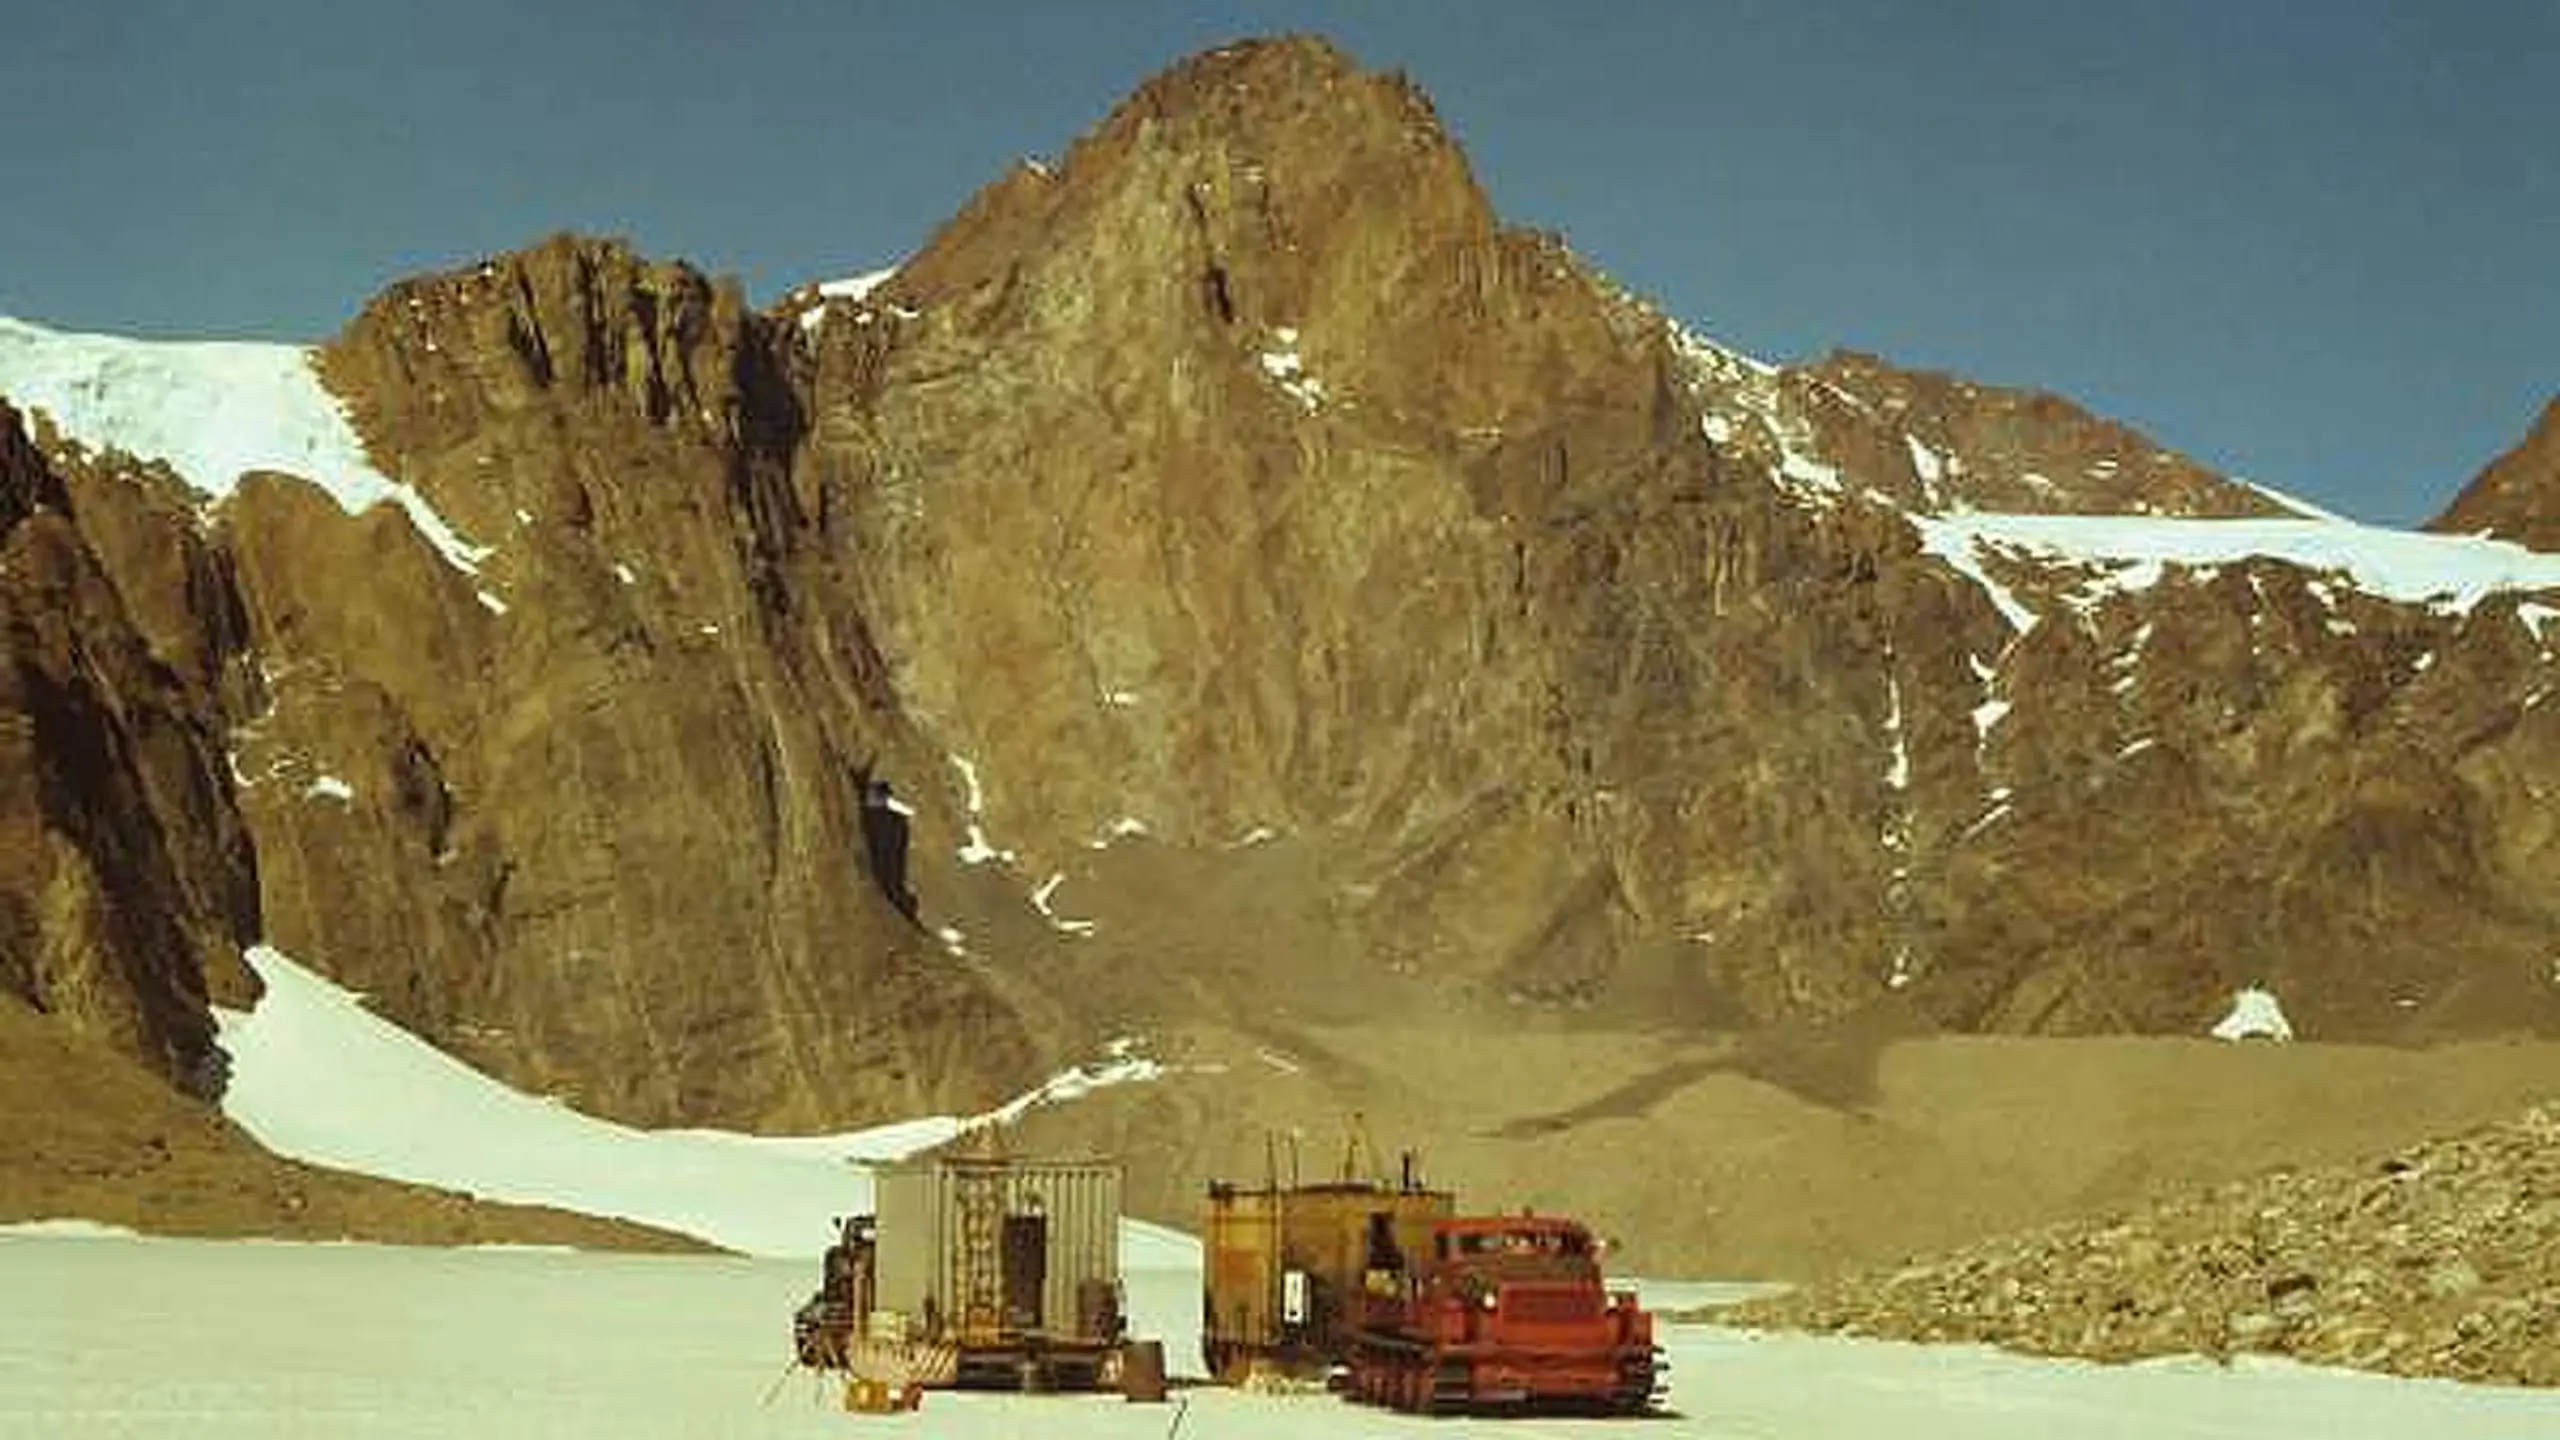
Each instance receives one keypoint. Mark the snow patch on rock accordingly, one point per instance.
(2254, 1015)
(1285, 368)
(974, 847)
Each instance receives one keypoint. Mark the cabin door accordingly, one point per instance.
(1026, 1270)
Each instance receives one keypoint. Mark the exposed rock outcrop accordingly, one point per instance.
(2518, 496)
(596, 820)
(131, 879)
(1984, 447)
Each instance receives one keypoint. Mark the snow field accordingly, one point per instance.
(234, 1340)
(318, 1077)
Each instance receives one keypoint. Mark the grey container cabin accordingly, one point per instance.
(1015, 1262)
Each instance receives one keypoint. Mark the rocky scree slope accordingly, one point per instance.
(2442, 1259)
(1240, 487)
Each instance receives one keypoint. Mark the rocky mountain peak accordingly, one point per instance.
(1269, 200)
(1274, 92)
(2518, 496)
(1253, 360)
(1265, 144)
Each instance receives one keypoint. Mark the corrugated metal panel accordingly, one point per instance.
(941, 1238)
(1241, 1255)
(908, 1247)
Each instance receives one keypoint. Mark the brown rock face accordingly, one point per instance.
(601, 824)
(130, 882)
(1186, 489)
(2518, 497)
(1243, 476)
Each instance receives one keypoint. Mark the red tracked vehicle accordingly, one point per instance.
(1507, 1312)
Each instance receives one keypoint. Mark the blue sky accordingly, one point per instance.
(2316, 242)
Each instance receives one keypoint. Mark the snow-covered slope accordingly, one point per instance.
(213, 410)
(317, 1077)
(2132, 552)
